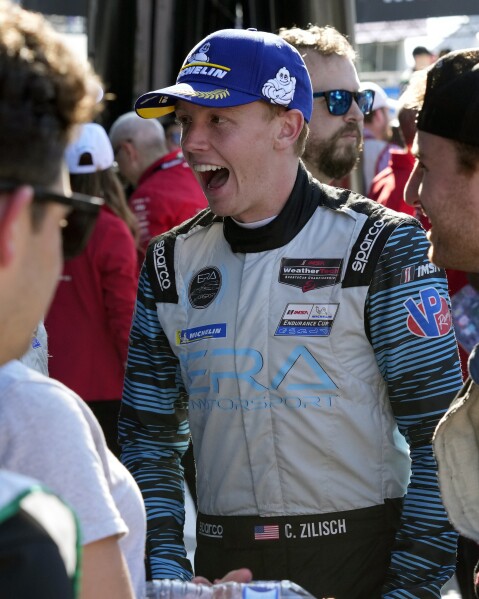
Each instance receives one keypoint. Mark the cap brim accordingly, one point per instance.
(162, 101)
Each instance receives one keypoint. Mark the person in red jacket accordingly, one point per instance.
(166, 191)
(388, 185)
(89, 320)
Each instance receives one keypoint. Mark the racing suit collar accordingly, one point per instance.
(295, 214)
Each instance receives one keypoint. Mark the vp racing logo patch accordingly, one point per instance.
(430, 317)
(204, 287)
(310, 273)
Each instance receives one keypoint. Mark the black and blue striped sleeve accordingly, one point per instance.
(154, 434)
(409, 325)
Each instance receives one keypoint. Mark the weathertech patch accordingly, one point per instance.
(310, 273)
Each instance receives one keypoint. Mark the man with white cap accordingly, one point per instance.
(282, 327)
(89, 319)
(377, 132)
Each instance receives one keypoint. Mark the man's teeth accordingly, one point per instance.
(203, 168)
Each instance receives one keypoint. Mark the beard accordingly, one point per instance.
(335, 162)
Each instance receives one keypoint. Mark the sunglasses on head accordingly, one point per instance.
(339, 101)
(79, 221)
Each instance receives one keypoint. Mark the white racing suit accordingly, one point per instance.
(301, 355)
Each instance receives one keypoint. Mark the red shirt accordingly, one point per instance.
(167, 194)
(387, 187)
(88, 323)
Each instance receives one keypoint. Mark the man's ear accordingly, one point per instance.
(130, 150)
(12, 205)
(292, 122)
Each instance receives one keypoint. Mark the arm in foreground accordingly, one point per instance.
(104, 571)
(154, 434)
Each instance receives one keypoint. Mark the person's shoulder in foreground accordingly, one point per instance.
(39, 541)
(46, 91)
(40, 416)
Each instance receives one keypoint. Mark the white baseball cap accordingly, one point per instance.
(381, 99)
(90, 152)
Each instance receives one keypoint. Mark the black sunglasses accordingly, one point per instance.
(80, 220)
(339, 101)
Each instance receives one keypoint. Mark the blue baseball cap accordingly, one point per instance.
(232, 67)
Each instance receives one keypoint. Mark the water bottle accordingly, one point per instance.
(258, 589)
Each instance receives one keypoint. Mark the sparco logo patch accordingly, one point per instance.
(160, 266)
(431, 317)
(204, 287)
(310, 273)
(362, 256)
(214, 531)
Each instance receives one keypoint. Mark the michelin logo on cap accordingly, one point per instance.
(201, 55)
(260, 66)
(198, 63)
(280, 90)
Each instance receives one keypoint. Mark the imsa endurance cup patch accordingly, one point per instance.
(310, 273)
(204, 287)
(308, 320)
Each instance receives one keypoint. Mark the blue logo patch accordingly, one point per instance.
(303, 320)
(209, 331)
(431, 316)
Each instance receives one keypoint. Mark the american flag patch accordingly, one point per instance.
(262, 533)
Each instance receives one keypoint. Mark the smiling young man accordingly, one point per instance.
(335, 136)
(293, 328)
(444, 185)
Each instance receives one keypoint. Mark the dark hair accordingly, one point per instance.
(106, 184)
(421, 51)
(451, 100)
(44, 92)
